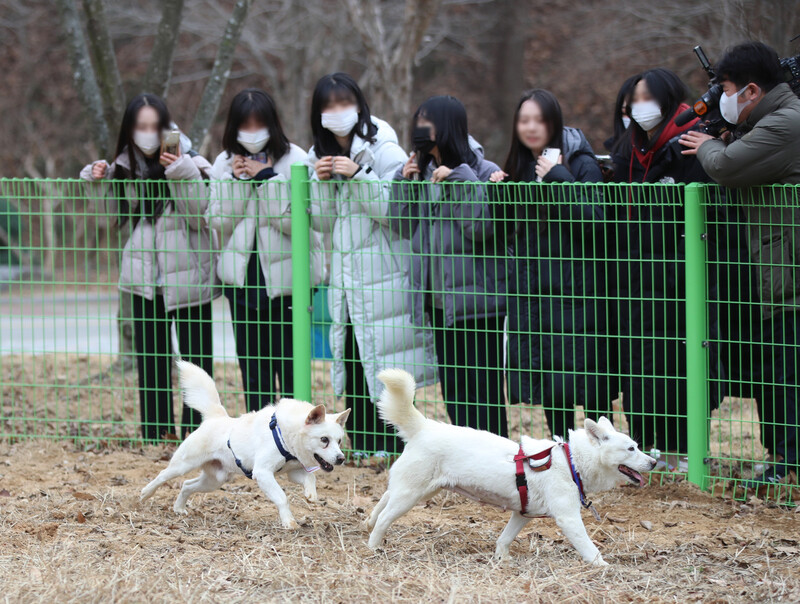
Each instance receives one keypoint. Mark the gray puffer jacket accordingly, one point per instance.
(369, 266)
(458, 248)
(241, 210)
(177, 253)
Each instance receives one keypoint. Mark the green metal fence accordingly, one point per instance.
(521, 308)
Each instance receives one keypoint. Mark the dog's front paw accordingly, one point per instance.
(180, 510)
(290, 524)
(500, 555)
(311, 497)
(598, 561)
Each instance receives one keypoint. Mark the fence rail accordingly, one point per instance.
(521, 308)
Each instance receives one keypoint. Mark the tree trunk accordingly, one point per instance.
(159, 69)
(84, 75)
(212, 94)
(105, 63)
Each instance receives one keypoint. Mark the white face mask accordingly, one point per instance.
(647, 114)
(254, 142)
(730, 108)
(148, 142)
(626, 121)
(340, 122)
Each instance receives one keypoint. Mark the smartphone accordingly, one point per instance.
(171, 142)
(552, 154)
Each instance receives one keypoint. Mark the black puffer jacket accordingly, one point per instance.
(452, 232)
(557, 311)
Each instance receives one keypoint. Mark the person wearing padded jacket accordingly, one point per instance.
(250, 208)
(558, 353)
(167, 263)
(458, 266)
(647, 234)
(353, 159)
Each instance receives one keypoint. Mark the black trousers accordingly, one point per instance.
(366, 430)
(154, 359)
(264, 348)
(470, 356)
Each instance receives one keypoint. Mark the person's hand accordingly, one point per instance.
(345, 166)
(253, 167)
(411, 167)
(498, 176)
(238, 165)
(544, 165)
(324, 168)
(693, 140)
(99, 170)
(167, 159)
(441, 173)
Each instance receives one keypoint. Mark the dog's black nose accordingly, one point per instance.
(340, 460)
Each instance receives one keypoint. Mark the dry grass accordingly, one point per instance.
(74, 531)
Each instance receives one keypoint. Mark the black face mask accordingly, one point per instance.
(421, 137)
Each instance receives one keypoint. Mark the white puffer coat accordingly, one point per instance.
(238, 210)
(176, 253)
(369, 266)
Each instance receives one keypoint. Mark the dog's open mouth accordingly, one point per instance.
(328, 467)
(632, 475)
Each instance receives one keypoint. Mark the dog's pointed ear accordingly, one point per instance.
(341, 418)
(316, 415)
(594, 431)
(605, 423)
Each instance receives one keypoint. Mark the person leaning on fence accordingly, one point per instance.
(249, 207)
(167, 263)
(354, 158)
(764, 149)
(558, 353)
(458, 263)
(646, 230)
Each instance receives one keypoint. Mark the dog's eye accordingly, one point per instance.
(631, 448)
(324, 440)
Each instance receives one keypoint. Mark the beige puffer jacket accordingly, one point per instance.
(237, 207)
(176, 254)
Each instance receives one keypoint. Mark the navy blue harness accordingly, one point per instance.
(277, 437)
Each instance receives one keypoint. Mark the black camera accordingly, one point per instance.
(707, 106)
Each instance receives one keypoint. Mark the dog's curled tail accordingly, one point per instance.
(396, 405)
(199, 391)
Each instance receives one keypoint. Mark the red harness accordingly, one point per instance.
(522, 482)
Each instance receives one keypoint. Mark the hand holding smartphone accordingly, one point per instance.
(550, 154)
(171, 142)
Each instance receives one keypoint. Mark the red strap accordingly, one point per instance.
(522, 482)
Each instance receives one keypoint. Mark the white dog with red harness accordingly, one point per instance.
(533, 479)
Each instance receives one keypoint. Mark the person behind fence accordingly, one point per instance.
(621, 119)
(763, 149)
(646, 231)
(458, 265)
(354, 157)
(249, 207)
(167, 263)
(558, 355)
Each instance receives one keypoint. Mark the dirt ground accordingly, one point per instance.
(73, 530)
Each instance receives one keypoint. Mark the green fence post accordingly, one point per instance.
(696, 335)
(301, 283)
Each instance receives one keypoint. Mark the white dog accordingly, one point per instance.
(292, 436)
(553, 476)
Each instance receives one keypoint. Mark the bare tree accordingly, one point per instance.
(159, 69)
(215, 87)
(391, 53)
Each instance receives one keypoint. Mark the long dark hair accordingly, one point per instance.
(254, 102)
(449, 119)
(333, 87)
(152, 196)
(623, 98)
(668, 91)
(520, 158)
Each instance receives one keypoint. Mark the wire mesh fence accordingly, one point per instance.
(519, 308)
